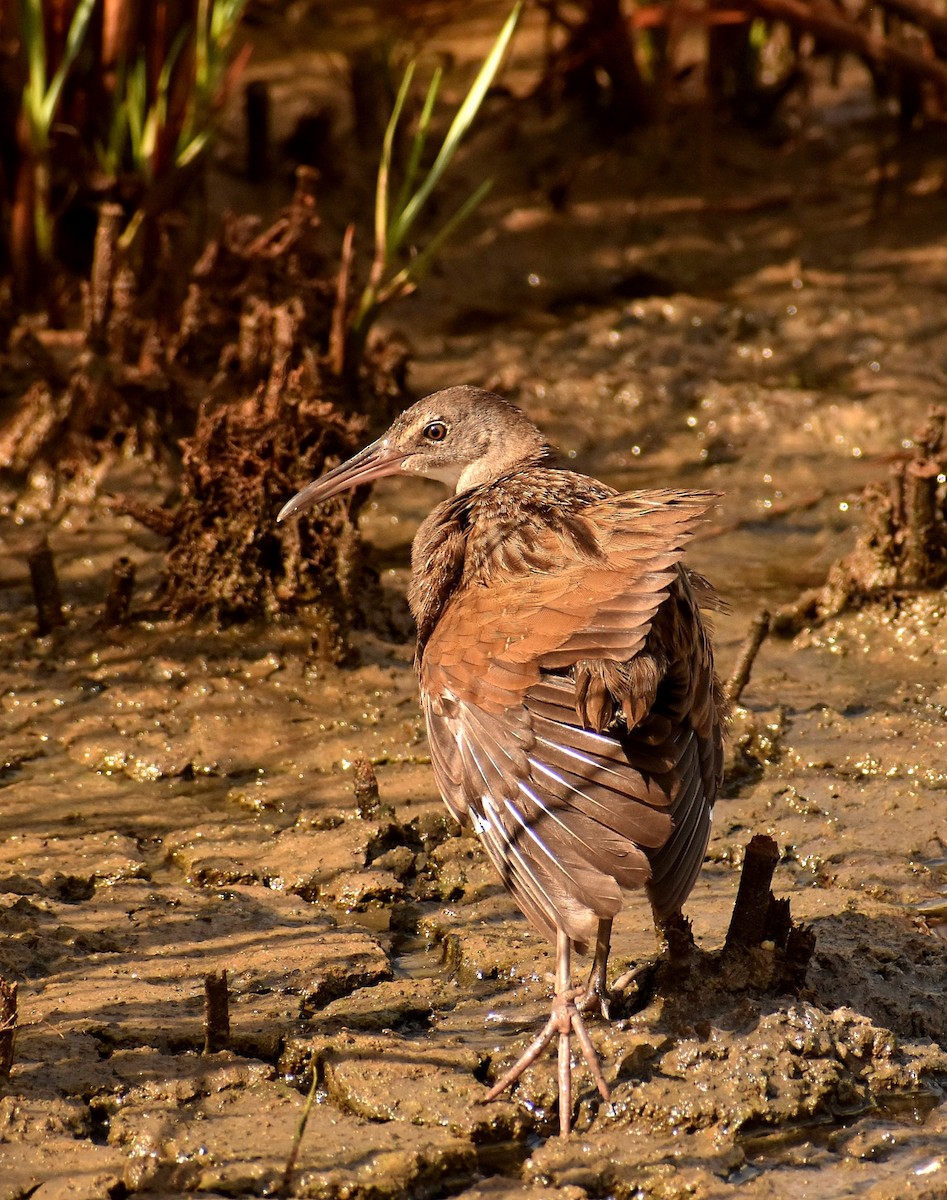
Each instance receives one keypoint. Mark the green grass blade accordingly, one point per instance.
(417, 268)
(418, 143)
(202, 46)
(136, 110)
(187, 153)
(383, 247)
(224, 18)
(411, 275)
(77, 29)
(34, 39)
(118, 126)
(459, 126)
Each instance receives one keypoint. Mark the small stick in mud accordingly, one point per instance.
(104, 264)
(366, 790)
(920, 534)
(8, 1025)
(748, 925)
(758, 632)
(46, 594)
(216, 1012)
(118, 598)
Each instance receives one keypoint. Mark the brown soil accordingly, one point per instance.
(177, 799)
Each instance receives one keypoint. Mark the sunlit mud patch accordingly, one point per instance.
(910, 627)
(902, 543)
(751, 1091)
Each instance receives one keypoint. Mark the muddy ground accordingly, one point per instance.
(177, 800)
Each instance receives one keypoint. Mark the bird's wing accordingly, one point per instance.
(551, 805)
(593, 597)
(690, 701)
(566, 815)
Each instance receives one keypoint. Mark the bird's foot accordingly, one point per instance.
(594, 998)
(632, 977)
(565, 1019)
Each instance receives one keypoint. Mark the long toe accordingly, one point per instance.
(565, 1082)
(526, 1059)
(591, 1058)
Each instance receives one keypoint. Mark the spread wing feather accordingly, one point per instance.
(677, 863)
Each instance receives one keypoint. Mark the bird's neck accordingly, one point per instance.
(437, 563)
(452, 545)
(522, 453)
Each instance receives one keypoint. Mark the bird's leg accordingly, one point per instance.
(564, 988)
(596, 990)
(564, 1019)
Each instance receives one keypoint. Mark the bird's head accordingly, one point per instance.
(462, 436)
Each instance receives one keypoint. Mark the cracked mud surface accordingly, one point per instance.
(177, 800)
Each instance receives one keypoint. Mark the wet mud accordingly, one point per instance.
(179, 799)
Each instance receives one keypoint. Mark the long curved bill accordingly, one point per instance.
(373, 462)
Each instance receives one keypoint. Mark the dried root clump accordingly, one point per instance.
(105, 381)
(261, 314)
(227, 557)
(902, 545)
(246, 361)
(256, 297)
(150, 338)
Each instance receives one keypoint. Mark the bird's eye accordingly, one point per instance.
(436, 431)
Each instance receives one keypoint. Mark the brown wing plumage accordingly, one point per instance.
(572, 712)
(690, 699)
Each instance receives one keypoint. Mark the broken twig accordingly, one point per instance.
(751, 910)
(340, 311)
(758, 632)
(216, 1012)
(285, 1185)
(366, 790)
(104, 265)
(256, 99)
(119, 596)
(8, 1026)
(46, 594)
